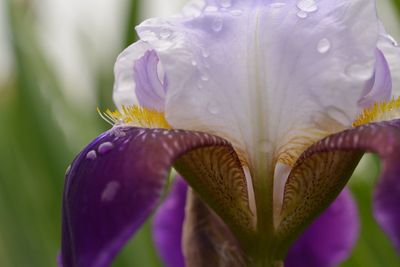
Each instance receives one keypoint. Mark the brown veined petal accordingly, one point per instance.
(323, 169)
(217, 175)
(207, 241)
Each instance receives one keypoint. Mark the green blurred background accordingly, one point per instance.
(56, 67)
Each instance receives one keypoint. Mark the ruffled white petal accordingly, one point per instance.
(269, 76)
(391, 51)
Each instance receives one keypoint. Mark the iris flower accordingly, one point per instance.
(264, 108)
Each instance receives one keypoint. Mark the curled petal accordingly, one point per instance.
(330, 238)
(168, 224)
(150, 91)
(116, 182)
(379, 88)
(323, 169)
(137, 79)
(391, 52)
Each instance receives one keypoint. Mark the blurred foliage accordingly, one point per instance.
(34, 154)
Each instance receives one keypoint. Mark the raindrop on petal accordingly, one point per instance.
(225, 3)
(105, 147)
(237, 12)
(217, 24)
(91, 155)
(204, 77)
(307, 5)
(205, 52)
(302, 14)
(392, 40)
(165, 33)
(323, 45)
(360, 70)
(277, 5)
(194, 63)
(212, 108)
(68, 170)
(110, 191)
(211, 9)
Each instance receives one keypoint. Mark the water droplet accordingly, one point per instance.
(117, 132)
(217, 24)
(323, 46)
(91, 155)
(360, 70)
(68, 170)
(237, 12)
(302, 14)
(165, 33)
(212, 108)
(110, 191)
(211, 9)
(307, 5)
(194, 63)
(277, 5)
(105, 147)
(205, 52)
(392, 40)
(204, 77)
(225, 3)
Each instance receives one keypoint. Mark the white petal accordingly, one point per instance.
(261, 74)
(391, 51)
(124, 84)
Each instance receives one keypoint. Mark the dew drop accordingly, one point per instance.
(194, 63)
(277, 5)
(117, 131)
(91, 155)
(392, 40)
(323, 46)
(362, 70)
(302, 14)
(204, 77)
(307, 5)
(212, 108)
(225, 3)
(217, 24)
(165, 33)
(236, 12)
(105, 147)
(68, 170)
(205, 52)
(110, 191)
(211, 9)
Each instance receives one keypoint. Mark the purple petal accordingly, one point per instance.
(329, 239)
(150, 91)
(113, 186)
(379, 88)
(168, 223)
(323, 169)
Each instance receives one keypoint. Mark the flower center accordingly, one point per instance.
(136, 116)
(382, 111)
